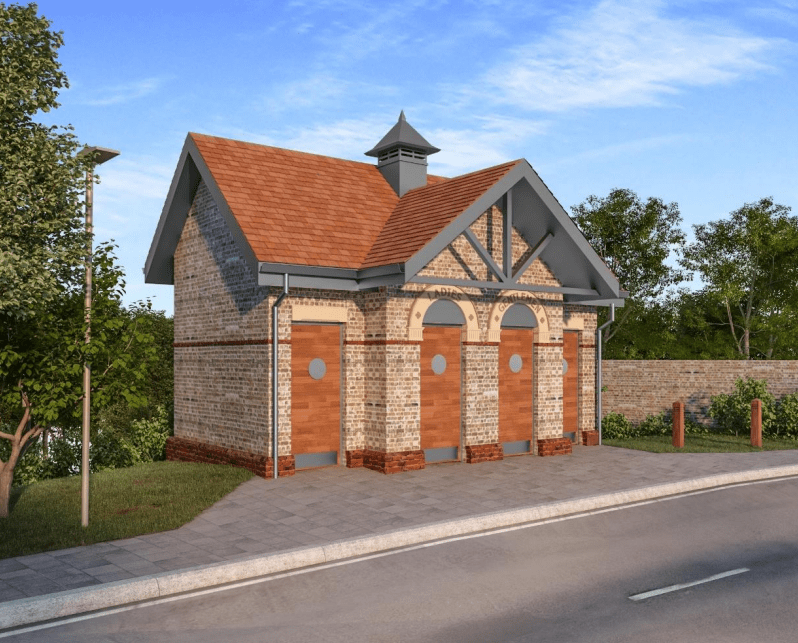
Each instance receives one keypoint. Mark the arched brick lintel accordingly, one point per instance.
(431, 294)
(507, 299)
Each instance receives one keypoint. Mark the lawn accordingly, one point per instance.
(123, 503)
(712, 443)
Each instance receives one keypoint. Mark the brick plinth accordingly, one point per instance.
(188, 450)
(354, 459)
(484, 453)
(554, 446)
(590, 438)
(286, 466)
(393, 462)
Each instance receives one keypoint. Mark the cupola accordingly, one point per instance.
(402, 156)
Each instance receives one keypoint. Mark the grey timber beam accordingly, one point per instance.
(484, 255)
(507, 234)
(535, 254)
(495, 285)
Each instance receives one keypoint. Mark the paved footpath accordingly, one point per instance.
(333, 504)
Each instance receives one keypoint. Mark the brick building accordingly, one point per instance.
(419, 319)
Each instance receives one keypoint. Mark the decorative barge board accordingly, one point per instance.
(425, 319)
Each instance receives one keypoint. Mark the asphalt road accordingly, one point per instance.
(564, 581)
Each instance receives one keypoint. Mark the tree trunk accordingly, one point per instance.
(6, 478)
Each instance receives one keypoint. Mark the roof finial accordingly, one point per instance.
(402, 116)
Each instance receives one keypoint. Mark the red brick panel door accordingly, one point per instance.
(570, 384)
(440, 393)
(515, 390)
(315, 395)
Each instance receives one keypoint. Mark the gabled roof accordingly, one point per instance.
(422, 213)
(333, 223)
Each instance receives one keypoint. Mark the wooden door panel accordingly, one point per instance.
(570, 384)
(515, 389)
(440, 393)
(315, 403)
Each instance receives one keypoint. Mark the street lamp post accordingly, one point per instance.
(98, 155)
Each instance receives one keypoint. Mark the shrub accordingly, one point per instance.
(660, 424)
(786, 421)
(732, 413)
(143, 441)
(615, 426)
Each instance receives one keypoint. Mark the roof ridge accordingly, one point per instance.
(282, 149)
(450, 180)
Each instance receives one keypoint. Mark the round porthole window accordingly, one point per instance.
(317, 368)
(516, 363)
(438, 364)
(564, 366)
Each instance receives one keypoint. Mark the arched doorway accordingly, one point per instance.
(515, 379)
(440, 381)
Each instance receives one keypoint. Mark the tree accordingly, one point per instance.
(43, 248)
(749, 263)
(634, 239)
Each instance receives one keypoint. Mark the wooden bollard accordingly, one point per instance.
(756, 423)
(678, 425)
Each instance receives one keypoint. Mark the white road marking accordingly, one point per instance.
(676, 588)
(435, 543)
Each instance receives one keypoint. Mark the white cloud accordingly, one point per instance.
(466, 150)
(619, 56)
(625, 149)
(123, 93)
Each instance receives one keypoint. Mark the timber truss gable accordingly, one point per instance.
(530, 245)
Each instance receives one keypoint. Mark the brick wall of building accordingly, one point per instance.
(638, 388)
(223, 349)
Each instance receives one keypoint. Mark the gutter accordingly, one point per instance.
(598, 367)
(275, 388)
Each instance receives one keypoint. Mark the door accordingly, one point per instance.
(515, 390)
(440, 393)
(570, 384)
(315, 394)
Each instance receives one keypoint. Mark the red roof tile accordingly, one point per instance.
(306, 209)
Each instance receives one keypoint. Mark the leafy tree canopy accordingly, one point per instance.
(635, 239)
(749, 263)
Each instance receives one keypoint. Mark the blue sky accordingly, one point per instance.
(692, 102)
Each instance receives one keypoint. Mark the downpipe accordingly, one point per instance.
(598, 367)
(275, 354)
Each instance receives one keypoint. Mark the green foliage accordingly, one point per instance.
(42, 237)
(732, 413)
(748, 262)
(786, 421)
(143, 441)
(634, 239)
(659, 424)
(616, 426)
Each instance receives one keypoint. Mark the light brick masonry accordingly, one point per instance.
(223, 354)
(638, 388)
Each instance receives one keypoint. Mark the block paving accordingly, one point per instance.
(335, 503)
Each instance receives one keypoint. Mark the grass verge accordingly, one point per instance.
(123, 503)
(712, 443)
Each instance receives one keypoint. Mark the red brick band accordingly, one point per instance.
(554, 446)
(190, 450)
(553, 344)
(386, 462)
(232, 342)
(381, 342)
(484, 453)
(587, 345)
(590, 438)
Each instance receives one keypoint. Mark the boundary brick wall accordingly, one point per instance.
(638, 388)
